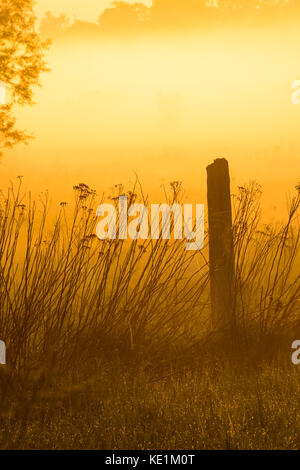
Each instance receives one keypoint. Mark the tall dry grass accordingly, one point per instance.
(267, 270)
(73, 307)
(67, 296)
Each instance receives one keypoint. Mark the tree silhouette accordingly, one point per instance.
(257, 9)
(52, 25)
(21, 63)
(178, 14)
(124, 17)
(181, 13)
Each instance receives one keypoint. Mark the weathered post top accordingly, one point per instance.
(218, 186)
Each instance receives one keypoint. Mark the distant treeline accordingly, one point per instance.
(166, 15)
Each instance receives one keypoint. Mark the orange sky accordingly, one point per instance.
(164, 107)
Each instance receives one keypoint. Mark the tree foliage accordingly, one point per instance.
(21, 62)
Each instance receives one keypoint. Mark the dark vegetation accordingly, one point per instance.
(110, 344)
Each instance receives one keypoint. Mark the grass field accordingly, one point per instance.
(220, 406)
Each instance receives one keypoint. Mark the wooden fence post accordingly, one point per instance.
(221, 248)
